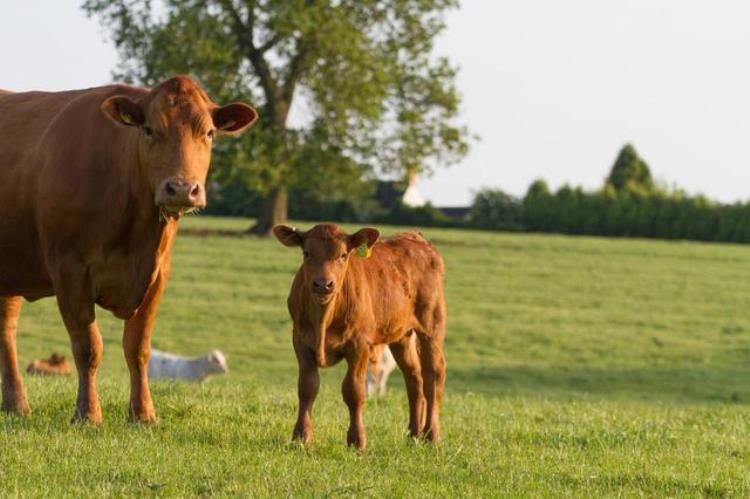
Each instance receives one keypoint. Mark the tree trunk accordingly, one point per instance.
(274, 212)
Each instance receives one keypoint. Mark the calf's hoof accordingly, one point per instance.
(356, 439)
(302, 434)
(18, 407)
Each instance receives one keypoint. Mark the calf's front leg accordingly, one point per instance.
(308, 385)
(355, 396)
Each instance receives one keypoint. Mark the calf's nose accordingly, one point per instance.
(323, 285)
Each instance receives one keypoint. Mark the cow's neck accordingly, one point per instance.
(145, 227)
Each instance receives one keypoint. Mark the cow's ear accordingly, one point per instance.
(366, 236)
(288, 236)
(234, 118)
(124, 111)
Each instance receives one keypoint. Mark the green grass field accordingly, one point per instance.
(576, 367)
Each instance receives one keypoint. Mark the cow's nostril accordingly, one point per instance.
(170, 190)
(329, 285)
(195, 191)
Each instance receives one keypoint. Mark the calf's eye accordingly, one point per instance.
(148, 132)
(343, 256)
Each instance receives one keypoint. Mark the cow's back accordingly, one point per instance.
(46, 156)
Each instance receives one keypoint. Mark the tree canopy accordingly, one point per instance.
(373, 97)
(630, 173)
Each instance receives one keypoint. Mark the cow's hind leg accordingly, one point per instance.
(433, 374)
(86, 342)
(14, 393)
(354, 393)
(407, 358)
(307, 389)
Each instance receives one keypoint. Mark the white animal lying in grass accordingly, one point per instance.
(168, 366)
(381, 366)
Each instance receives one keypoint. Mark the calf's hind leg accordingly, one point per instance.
(407, 358)
(14, 393)
(433, 374)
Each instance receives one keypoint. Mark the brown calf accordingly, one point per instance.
(353, 293)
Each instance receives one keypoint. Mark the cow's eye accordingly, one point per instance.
(148, 132)
(343, 256)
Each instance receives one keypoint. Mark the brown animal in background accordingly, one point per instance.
(342, 305)
(92, 184)
(56, 364)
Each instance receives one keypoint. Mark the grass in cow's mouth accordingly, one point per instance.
(576, 367)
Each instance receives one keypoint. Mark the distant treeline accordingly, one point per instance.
(628, 205)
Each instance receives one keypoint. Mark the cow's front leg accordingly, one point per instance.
(307, 389)
(354, 392)
(77, 310)
(136, 343)
(14, 394)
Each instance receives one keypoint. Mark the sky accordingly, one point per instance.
(554, 89)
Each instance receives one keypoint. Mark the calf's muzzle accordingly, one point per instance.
(323, 286)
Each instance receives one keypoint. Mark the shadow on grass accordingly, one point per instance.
(653, 384)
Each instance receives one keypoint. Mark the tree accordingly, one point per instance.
(376, 97)
(630, 173)
(495, 209)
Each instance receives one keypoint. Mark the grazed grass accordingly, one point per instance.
(577, 367)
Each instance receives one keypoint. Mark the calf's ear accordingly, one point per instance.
(234, 118)
(287, 235)
(366, 236)
(124, 111)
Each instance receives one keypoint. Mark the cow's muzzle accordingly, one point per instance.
(178, 195)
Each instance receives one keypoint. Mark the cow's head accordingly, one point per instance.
(326, 253)
(177, 123)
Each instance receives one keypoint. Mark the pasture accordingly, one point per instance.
(576, 366)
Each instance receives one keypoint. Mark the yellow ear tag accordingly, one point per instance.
(363, 251)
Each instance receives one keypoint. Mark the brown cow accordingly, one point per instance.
(342, 305)
(92, 184)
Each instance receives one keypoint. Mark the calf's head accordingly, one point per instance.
(326, 251)
(177, 123)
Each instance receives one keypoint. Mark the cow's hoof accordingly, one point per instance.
(16, 407)
(432, 435)
(142, 413)
(93, 418)
(143, 418)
